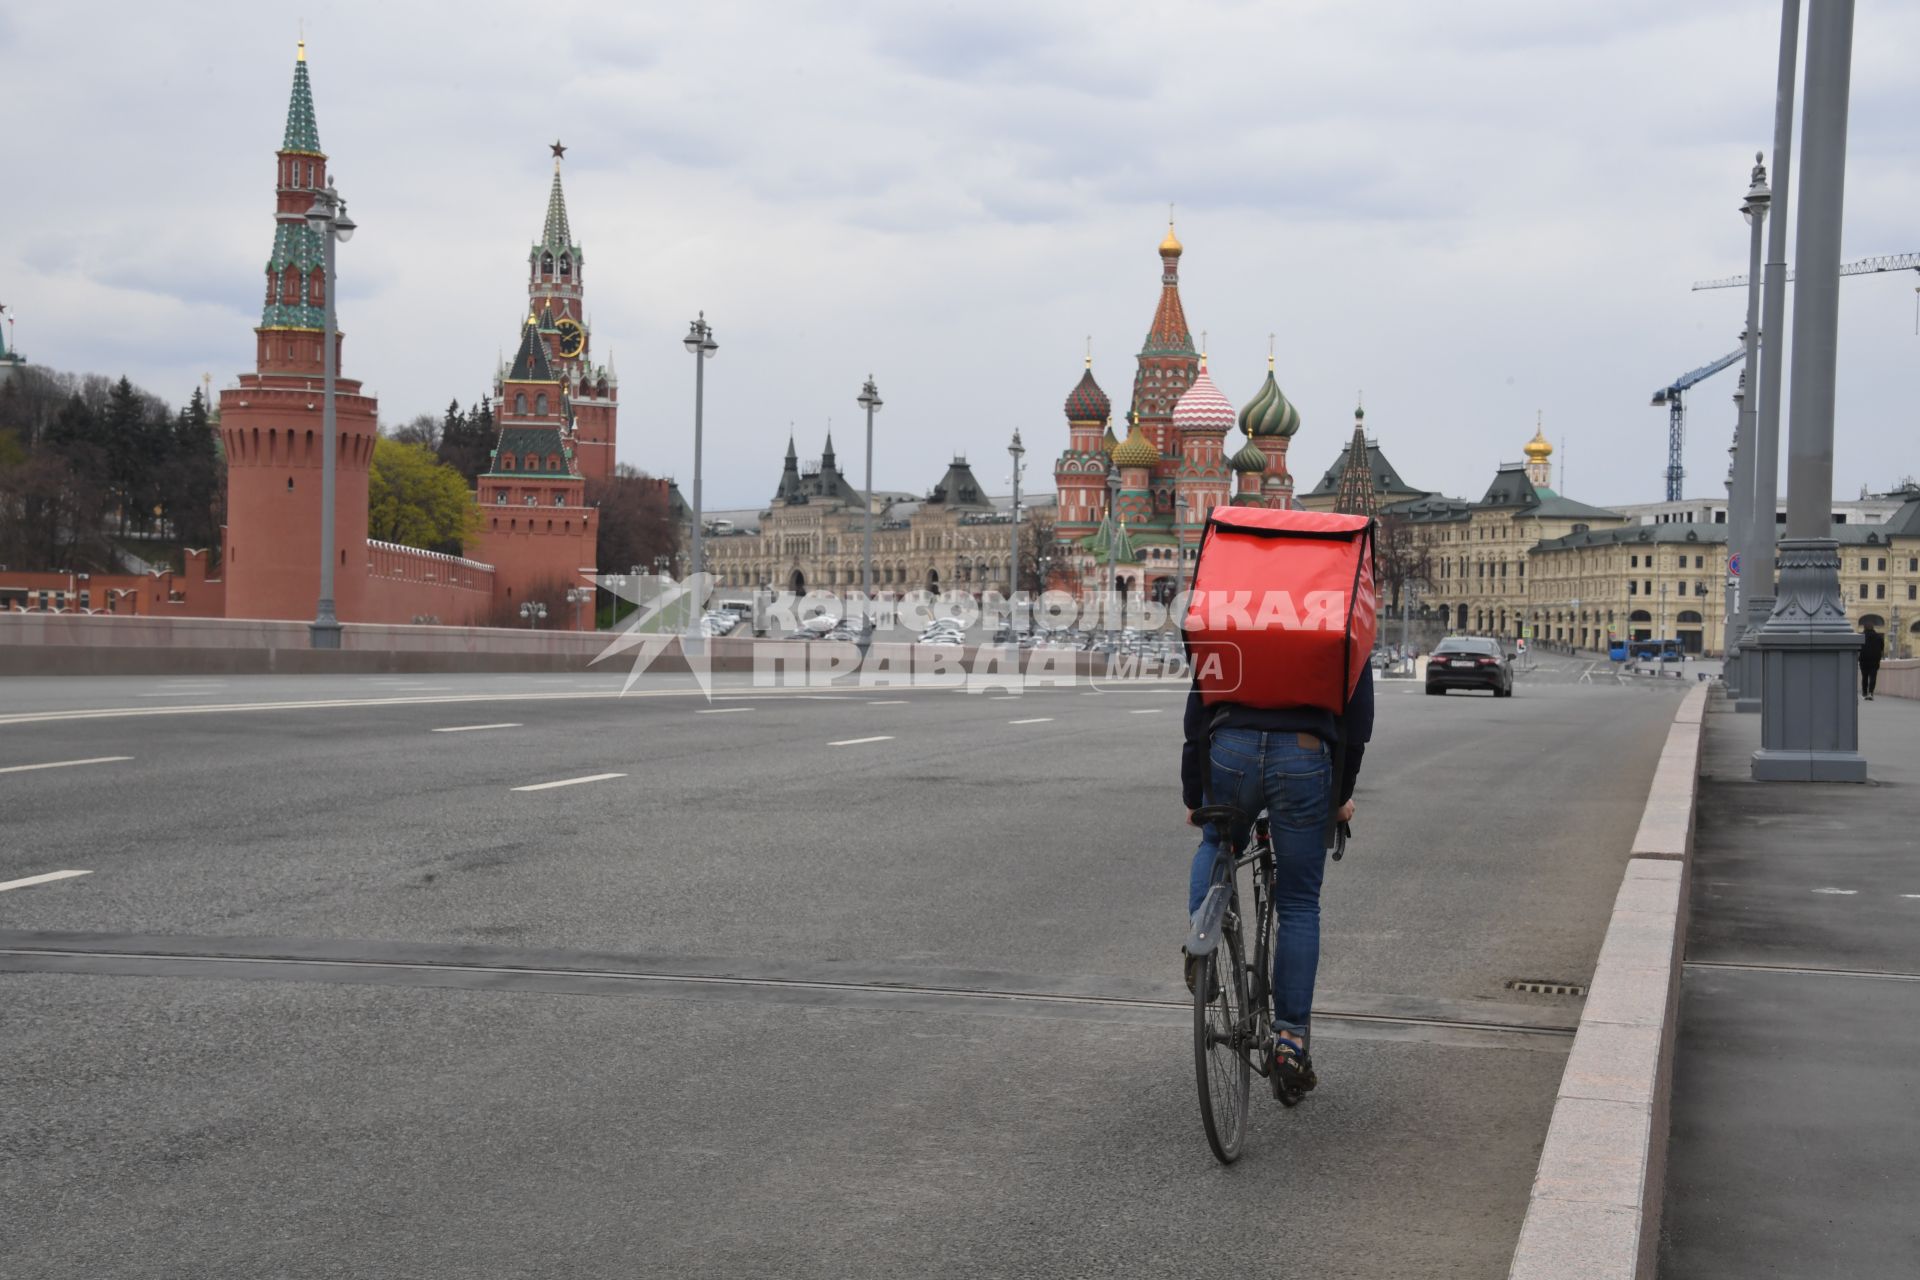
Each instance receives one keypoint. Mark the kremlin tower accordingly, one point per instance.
(270, 424)
(556, 278)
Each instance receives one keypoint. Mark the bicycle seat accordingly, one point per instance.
(1230, 816)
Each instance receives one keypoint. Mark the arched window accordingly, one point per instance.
(546, 264)
(506, 462)
(566, 266)
(520, 403)
(540, 403)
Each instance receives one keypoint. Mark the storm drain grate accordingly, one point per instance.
(1541, 987)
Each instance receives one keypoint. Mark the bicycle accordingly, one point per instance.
(1232, 999)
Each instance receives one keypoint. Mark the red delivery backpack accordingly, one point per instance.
(1284, 608)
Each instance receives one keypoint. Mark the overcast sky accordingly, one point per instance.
(1471, 211)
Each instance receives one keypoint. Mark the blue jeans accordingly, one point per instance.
(1272, 771)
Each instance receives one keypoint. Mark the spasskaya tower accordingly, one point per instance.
(556, 303)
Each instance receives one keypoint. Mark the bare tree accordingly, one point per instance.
(1402, 558)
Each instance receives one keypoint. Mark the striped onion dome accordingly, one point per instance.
(1087, 402)
(1249, 458)
(1202, 407)
(1269, 413)
(1136, 450)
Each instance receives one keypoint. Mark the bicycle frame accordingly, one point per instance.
(1257, 1020)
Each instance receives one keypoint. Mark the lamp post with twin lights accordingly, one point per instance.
(328, 219)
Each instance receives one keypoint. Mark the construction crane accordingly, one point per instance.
(1864, 267)
(1671, 396)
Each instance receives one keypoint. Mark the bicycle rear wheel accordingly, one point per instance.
(1222, 1041)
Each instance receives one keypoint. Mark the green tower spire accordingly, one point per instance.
(557, 235)
(302, 133)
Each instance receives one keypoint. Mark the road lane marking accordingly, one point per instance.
(1146, 711)
(1034, 720)
(889, 702)
(63, 764)
(475, 728)
(570, 782)
(1845, 893)
(1005, 697)
(40, 879)
(721, 711)
(858, 742)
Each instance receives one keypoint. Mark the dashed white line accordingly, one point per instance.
(40, 879)
(720, 711)
(475, 728)
(1005, 697)
(1146, 711)
(1845, 893)
(570, 782)
(890, 702)
(858, 742)
(63, 764)
(1035, 720)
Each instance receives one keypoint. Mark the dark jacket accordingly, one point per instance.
(1873, 647)
(1202, 720)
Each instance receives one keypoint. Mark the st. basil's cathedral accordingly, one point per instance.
(1131, 511)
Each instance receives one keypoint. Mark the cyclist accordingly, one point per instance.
(1279, 760)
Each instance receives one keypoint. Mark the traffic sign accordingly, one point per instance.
(1733, 565)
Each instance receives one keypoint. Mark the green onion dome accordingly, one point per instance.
(1270, 413)
(1249, 458)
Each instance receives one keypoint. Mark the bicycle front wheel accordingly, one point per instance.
(1223, 1040)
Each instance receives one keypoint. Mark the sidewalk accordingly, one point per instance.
(1795, 1147)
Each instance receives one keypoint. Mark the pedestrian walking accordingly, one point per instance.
(1873, 646)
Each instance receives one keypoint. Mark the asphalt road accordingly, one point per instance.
(874, 982)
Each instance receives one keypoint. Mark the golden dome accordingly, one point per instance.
(1136, 450)
(1171, 245)
(1539, 449)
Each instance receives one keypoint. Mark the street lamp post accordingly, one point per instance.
(700, 344)
(1809, 709)
(1757, 569)
(328, 218)
(869, 400)
(1016, 451)
(1754, 210)
(577, 596)
(534, 612)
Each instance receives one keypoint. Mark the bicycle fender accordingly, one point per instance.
(1205, 933)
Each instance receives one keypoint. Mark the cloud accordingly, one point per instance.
(1474, 213)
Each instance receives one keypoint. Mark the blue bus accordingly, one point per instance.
(1657, 650)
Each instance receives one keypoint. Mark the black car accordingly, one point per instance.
(1470, 662)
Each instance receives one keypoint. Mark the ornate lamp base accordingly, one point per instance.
(1809, 708)
(1747, 698)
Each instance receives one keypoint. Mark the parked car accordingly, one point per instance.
(1470, 662)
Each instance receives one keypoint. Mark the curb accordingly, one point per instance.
(1595, 1207)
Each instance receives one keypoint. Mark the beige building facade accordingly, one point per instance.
(811, 536)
